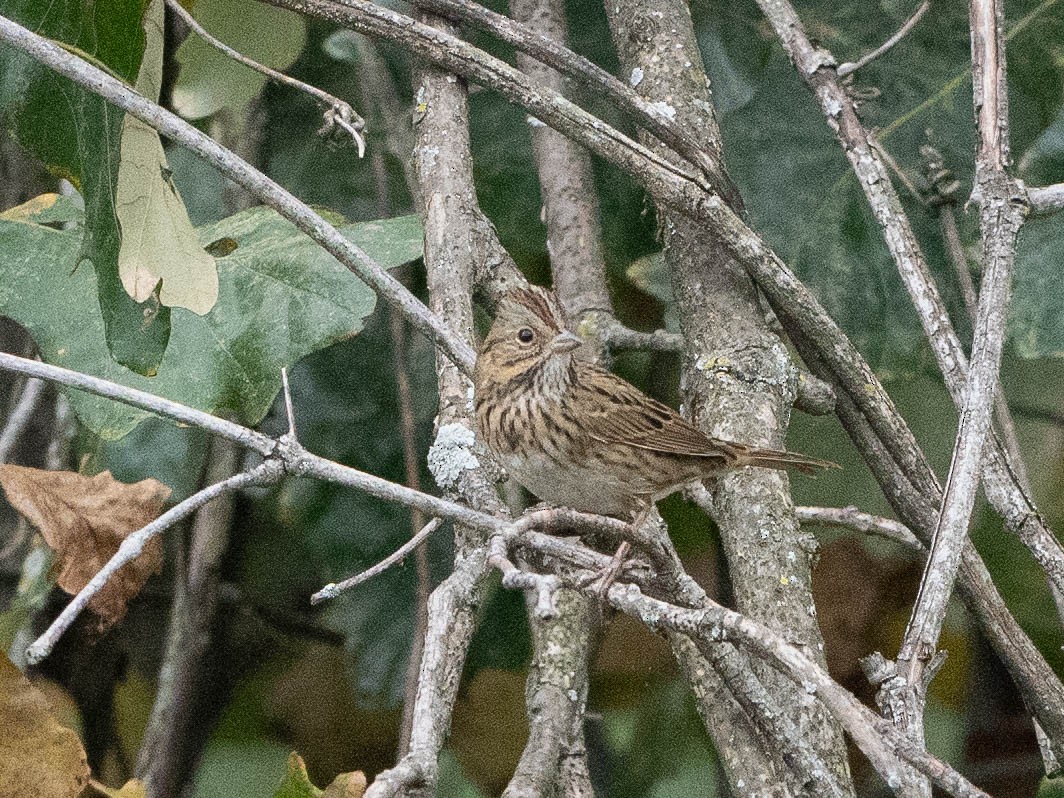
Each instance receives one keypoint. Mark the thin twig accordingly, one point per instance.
(288, 409)
(951, 235)
(28, 399)
(267, 472)
(251, 439)
(338, 113)
(411, 463)
(852, 518)
(334, 589)
(851, 67)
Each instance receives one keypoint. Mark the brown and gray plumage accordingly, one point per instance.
(575, 434)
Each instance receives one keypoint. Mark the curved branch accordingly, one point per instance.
(338, 113)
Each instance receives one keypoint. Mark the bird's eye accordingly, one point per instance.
(525, 335)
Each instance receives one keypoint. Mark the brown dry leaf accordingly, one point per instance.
(347, 785)
(84, 520)
(39, 758)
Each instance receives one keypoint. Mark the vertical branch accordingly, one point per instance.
(1001, 215)
(380, 98)
(417, 521)
(739, 381)
(184, 712)
(455, 234)
(556, 694)
(567, 186)
(180, 723)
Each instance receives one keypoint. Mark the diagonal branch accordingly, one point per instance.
(266, 473)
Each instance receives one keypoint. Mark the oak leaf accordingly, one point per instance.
(84, 520)
(39, 757)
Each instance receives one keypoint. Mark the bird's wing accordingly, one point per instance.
(614, 411)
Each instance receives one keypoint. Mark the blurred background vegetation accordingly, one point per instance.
(329, 682)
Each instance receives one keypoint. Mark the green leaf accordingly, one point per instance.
(296, 783)
(133, 216)
(281, 297)
(209, 80)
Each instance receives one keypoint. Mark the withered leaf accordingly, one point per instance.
(347, 785)
(39, 758)
(84, 520)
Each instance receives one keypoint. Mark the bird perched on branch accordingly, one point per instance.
(576, 435)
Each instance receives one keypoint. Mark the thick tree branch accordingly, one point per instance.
(747, 399)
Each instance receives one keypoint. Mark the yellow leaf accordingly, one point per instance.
(30, 208)
(134, 788)
(39, 758)
(158, 239)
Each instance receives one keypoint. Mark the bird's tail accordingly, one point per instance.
(773, 458)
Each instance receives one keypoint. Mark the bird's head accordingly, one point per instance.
(528, 334)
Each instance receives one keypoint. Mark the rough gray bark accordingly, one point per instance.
(738, 380)
(555, 758)
(447, 204)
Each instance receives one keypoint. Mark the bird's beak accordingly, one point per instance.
(565, 342)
